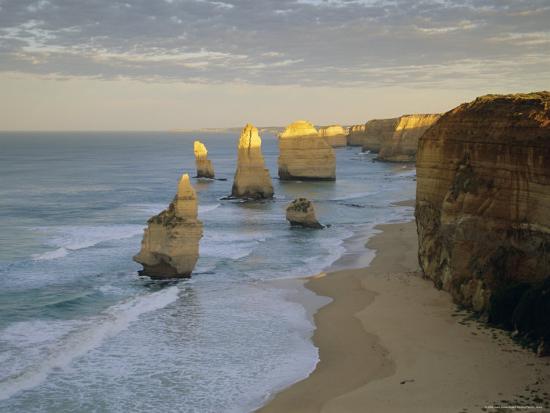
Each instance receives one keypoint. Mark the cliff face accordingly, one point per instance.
(403, 144)
(170, 245)
(252, 179)
(356, 135)
(377, 132)
(204, 165)
(301, 212)
(303, 154)
(334, 135)
(483, 208)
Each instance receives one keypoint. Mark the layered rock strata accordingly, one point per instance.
(204, 165)
(403, 144)
(170, 245)
(483, 209)
(377, 132)
(252, 179)
(356, 135)
(301, 212)
(304, 155)
(334, 135)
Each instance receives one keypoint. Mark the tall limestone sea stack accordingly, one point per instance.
(304, 155)
(483, 209)
(204, 165)
(252, 179)
(170, 245)
(334, 135)
(404, 141)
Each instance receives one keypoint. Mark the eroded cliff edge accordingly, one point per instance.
(483, 208)
(403, 142)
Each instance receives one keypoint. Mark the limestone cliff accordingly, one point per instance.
(301, 212)
(170, 245)
(334, 135)
(356, 135)
(483, 208)
(252, 179)
(377, 132)
(204, 165)
(403, 144)
(304, 155)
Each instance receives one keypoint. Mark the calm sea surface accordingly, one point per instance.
(80, 331)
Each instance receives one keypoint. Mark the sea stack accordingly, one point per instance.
(204, 165)
(170, 245)
(483, 209)
(356, 135)
(377, 133)
(252, 178)
(334, 135)
(403, 144)
(301, 212)
(304, 155)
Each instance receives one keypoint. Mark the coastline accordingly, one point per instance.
(430, 358)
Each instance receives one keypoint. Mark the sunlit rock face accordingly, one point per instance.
(204, 165)
(377, 132)
(403, 144)
(301, 212)
(170, 245)
(252, 178)
(483, 208)
(304, 155)
(356, 135)
(334, 135)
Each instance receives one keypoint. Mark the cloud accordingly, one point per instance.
(426, 43)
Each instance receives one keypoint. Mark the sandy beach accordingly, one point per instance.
(390, 342)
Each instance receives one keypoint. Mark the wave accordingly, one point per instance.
(352, 196)
(77, 340)
(69, 239)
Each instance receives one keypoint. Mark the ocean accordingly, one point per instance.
(81, 331)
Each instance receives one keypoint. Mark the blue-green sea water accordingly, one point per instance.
(80, 331)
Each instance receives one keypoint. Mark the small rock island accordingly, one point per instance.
(301, 212)
(170, 245)
(252, 180)
(334, 135)
(204, 165)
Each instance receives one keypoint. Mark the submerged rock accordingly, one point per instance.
(483, 208)
(301, 212)
(204, 165)
(334, 135)
(304, 155)
(170, 245)
(252, 178)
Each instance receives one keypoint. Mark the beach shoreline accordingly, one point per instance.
(430, 358)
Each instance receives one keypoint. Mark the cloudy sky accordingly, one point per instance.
(161, 64)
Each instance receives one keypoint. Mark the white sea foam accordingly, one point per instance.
(59, 350)
(352, 196)
(72, 238)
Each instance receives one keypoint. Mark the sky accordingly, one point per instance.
(164, 64)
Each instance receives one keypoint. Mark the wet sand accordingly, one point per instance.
(390, 342)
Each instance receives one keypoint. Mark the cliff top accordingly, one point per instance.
(332, 130)
(515, 118)
(250, 137)
(200, 150)
(299, 128)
